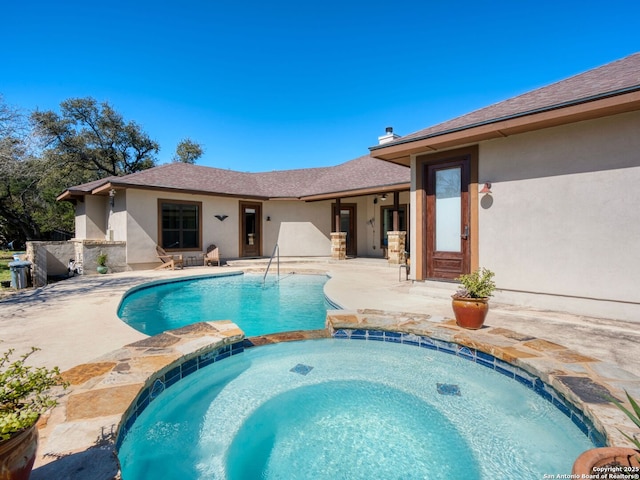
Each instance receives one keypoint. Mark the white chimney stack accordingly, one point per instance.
(388, 137)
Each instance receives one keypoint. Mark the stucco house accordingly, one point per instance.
(542, 188)
(184, 208)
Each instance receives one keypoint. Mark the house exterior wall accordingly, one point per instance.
(117, 218)
(561, 226)
(142, 224)
(91, 218)
(300, 229)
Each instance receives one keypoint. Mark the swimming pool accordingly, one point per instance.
(349, 409)
(296, 302)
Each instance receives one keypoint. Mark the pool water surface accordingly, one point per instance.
(327, 409)
(295, 302)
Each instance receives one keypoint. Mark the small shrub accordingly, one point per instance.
(478, 284)
(24, 392)
(102, 259)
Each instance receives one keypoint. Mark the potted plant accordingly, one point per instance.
(24, 396)
(101, 259)
(605, 460)
(471, 302)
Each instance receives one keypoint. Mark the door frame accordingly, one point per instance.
(422, 215)
(242, 230)
(352, 234)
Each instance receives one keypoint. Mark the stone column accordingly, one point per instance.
(396, 247)
(338, 245)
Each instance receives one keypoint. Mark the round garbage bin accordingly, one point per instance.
(19, 273)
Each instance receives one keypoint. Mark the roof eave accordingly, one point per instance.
(586, 109)
(357, 192)
(123, 186)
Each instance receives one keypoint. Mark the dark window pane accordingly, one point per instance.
(189, 239)
(180, 225)
(190, 217)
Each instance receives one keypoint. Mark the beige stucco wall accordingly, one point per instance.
(117, 218)
(300, 229)
(142, 224)
(561, 229)
(564, 218)
(310, 221)
(91, 218)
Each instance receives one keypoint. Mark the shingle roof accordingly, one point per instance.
(614, 78)
(361, 173)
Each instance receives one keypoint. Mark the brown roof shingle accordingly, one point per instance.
(614, 78)
(360, 173)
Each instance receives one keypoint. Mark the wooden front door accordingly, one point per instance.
(448, 248)
(347, 224)
(250, 229)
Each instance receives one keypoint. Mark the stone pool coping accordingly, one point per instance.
(81, 432)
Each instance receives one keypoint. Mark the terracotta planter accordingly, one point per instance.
(470, 312)
(18, 454)
(628, 458)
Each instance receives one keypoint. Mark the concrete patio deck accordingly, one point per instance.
(74, 322)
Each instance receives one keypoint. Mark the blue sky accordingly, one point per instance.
(295, 84)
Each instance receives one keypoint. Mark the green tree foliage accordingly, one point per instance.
(40, 159)
(188, 151)
(26, 194)
(94, 139)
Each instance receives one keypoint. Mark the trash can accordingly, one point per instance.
(19, 270)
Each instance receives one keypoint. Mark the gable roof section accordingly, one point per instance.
(612, 88)
(351, 178)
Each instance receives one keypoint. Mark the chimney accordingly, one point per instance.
(388, 137)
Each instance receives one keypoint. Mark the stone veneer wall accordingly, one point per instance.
(339, 245)
(397, 247)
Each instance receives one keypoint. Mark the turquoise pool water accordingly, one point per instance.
(296, 302)
(340, 409)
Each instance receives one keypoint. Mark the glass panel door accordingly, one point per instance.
(250, 230)
(446, 227)
(448, 212)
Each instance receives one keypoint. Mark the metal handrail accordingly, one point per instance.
(275, 249)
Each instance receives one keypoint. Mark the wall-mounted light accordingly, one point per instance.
(486, 188)
(112, 197)
(221, 217)
(268, 218)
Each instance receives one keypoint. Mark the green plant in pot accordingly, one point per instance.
(25, 394)
(101, 259)
(471, 302)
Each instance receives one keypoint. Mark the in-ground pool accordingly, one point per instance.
(295, 302)
(328, 409)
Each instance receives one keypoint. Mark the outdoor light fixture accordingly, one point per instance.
(486, 188)
(221, 217)
(112, 197)
(268, 218)
(383, 197)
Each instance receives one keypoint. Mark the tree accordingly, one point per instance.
(17, 179)
(188, 151)
(93, 138)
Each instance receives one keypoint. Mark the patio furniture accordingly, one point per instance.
(168, 260)
(211, 256)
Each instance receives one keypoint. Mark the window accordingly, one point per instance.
(180, 224)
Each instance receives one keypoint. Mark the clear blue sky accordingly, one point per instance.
(295, 84)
